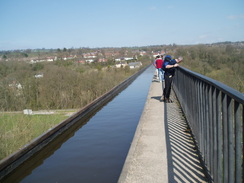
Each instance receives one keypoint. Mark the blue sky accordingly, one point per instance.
(30, 24)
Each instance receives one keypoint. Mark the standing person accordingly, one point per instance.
(154, 63)
(169, 67)
(162, 57)
(159, 63)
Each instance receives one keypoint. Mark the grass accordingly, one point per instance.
(17, 129)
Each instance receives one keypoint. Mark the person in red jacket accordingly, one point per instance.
(159, 63)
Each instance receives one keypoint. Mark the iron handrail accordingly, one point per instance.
(215, 115)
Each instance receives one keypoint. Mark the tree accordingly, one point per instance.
(229, 49)
(37, 66)
(4, 57)
(25, 55)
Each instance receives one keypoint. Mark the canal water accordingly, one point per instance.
(95, 150)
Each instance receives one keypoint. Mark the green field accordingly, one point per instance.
(17, 129)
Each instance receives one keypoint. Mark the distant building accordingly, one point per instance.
(162, 52)
(127, 58)
(134, 65)
(143, 53)
(90, 55)
(39, 76)
(123, 58)
(102, 60)
(81, 61)
(48, 59)
(69, 57)
(89, 60)
(121, 64)
(119, 59)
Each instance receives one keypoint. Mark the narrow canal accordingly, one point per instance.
(93, 151)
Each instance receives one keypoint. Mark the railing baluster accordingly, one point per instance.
(220, 138)
(215, 134)
(231, 159)
(208, 140)
(215, 114)
(226, 138)
(238, 140)
(211, 128)
(201, 122)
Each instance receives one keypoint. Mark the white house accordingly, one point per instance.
(117, 59)
(89, 60)
(127, 58)
(121, 64)
(39, 76)
(133, 65)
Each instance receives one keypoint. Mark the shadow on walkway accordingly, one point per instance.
(183, 161)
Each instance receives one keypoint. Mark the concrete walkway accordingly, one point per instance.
(162, 150)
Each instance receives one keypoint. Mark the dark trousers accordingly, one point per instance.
(167, 88)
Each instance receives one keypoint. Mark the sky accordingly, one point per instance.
(32, 24)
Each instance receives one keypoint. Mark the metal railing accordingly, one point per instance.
(215, 114)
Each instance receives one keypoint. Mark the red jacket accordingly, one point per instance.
(159, 63)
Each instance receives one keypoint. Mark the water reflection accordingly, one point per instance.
(93, 150)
